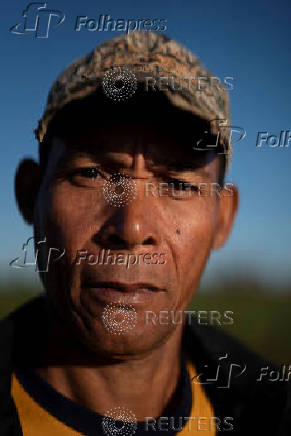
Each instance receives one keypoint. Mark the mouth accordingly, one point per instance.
(123, 293)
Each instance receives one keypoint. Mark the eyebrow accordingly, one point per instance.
(73, 154)
(185, 166)
(174, 166)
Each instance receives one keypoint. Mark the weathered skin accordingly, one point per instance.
(138, 369)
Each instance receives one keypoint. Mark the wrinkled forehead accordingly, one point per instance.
(148, 125)
(163, 146)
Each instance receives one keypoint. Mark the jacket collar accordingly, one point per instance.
(227, 369)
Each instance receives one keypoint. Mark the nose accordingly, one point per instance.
(130, 226)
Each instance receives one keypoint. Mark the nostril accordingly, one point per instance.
(115, 240)
(149, 241)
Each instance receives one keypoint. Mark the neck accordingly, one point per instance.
(144, 384)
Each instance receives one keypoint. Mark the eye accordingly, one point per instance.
(89, 173)
(85, 177)
(180, 185)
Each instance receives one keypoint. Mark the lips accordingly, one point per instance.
(123, 287)
(124, 293)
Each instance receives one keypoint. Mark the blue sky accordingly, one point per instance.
(249, 41)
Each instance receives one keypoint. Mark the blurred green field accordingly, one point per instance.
(261, 320)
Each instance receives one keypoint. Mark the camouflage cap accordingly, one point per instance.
(136, 58)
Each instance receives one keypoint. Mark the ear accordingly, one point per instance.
(26, 186)
(227, 209)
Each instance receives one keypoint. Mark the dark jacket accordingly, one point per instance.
(256, 407)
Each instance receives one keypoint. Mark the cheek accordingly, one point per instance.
(193, 241)
(73, 217)
(192, 225)
(198, 231)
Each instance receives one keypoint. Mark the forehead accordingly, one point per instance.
(159, 144)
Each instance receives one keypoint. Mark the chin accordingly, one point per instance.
(109, 344)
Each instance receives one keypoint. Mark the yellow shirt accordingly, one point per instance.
(36, 421)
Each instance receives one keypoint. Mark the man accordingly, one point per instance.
(123, 194)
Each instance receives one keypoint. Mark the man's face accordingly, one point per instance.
(172, 222)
